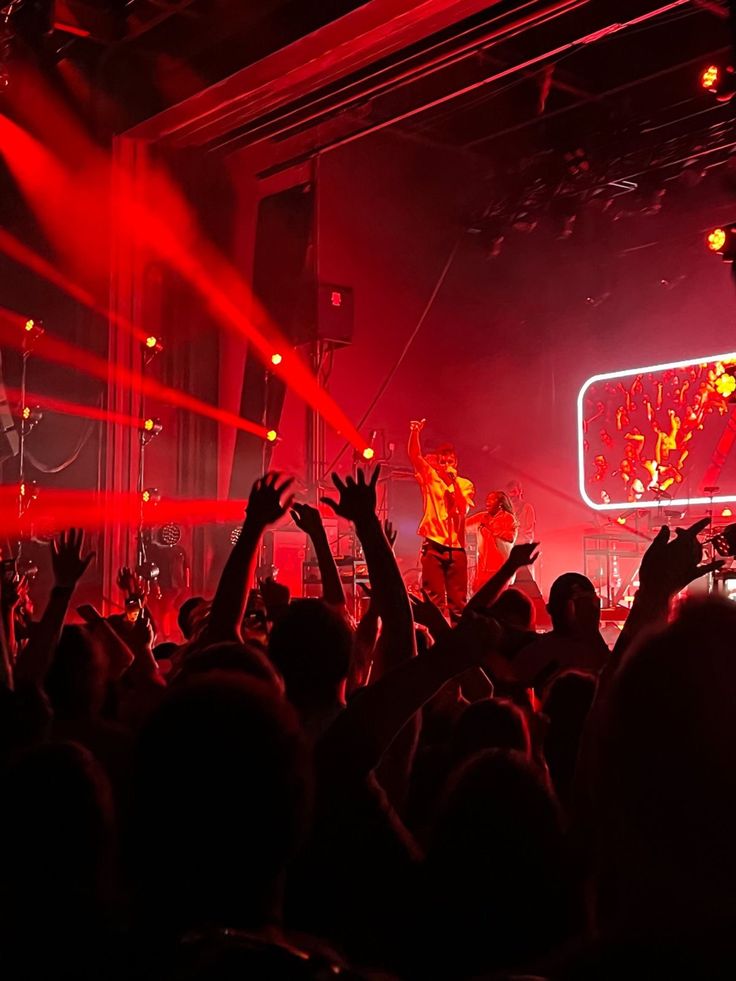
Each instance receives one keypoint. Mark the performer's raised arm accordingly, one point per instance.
(415, 446)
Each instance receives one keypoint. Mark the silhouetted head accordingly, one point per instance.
(311, 646)
(60, 822)
(491, 723)
(76, 681)
(566, 705)
(514, 609)
(187, 618)
(231, 656)
(497, 878)
(574, 606)
(667, 782)
(222, 766)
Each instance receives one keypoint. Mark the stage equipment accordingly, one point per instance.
(312, 580)
(611, 559)
(722, 241)
(33, 331)
(326, 314)
(152, 346)
(167, 535)
(719, 81)
(283, 269)
(658, 437)
(150, 429)
(30, 417)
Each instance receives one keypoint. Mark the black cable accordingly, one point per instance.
(404, 351)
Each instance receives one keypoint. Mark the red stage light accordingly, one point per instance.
(725, 385)
(716, 239)
(719, 81)
(368, 453)
(151, 341)
(276, 359)
(272, 435)
(336, 298)
(709, 77)
(722, 241)
(151, 428)
(151, 495)
(726, 513)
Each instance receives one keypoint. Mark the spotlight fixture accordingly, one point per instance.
(33, 330)
(276, 358)
(719, 81)
(151, 495)
(722, 241)
(150, 429)
(28, 491)
(368, 453)
(151, 347)
(31, 415)
(235, 535)
(168, 535)
(272, 435)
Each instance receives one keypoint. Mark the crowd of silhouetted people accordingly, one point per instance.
(291, 793)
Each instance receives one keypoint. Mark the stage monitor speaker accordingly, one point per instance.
(326, 313)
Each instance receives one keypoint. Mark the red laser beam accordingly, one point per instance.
(61, 352)
(51, 403)
(72, 206)
(20, 253)
(55, 510)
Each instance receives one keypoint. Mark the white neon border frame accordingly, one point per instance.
(581, 436)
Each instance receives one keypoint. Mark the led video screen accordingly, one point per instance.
(659, 436)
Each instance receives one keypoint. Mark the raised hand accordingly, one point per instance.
(13, 591)
(275, 595)
(307, 518)
(428, 614)
(390, 532)
(266, 503)
(523, 555)
(357, 496)
(481, 636)
(66, 558)
(128, 581)
(669, 565)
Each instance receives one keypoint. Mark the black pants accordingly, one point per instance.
(445, 576)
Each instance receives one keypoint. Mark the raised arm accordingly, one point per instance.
(309, 520)
(358, 739)
(264, 508)
(667, 568)
(415, 447)
(520, 556)
(68, 566)
(357, 503)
